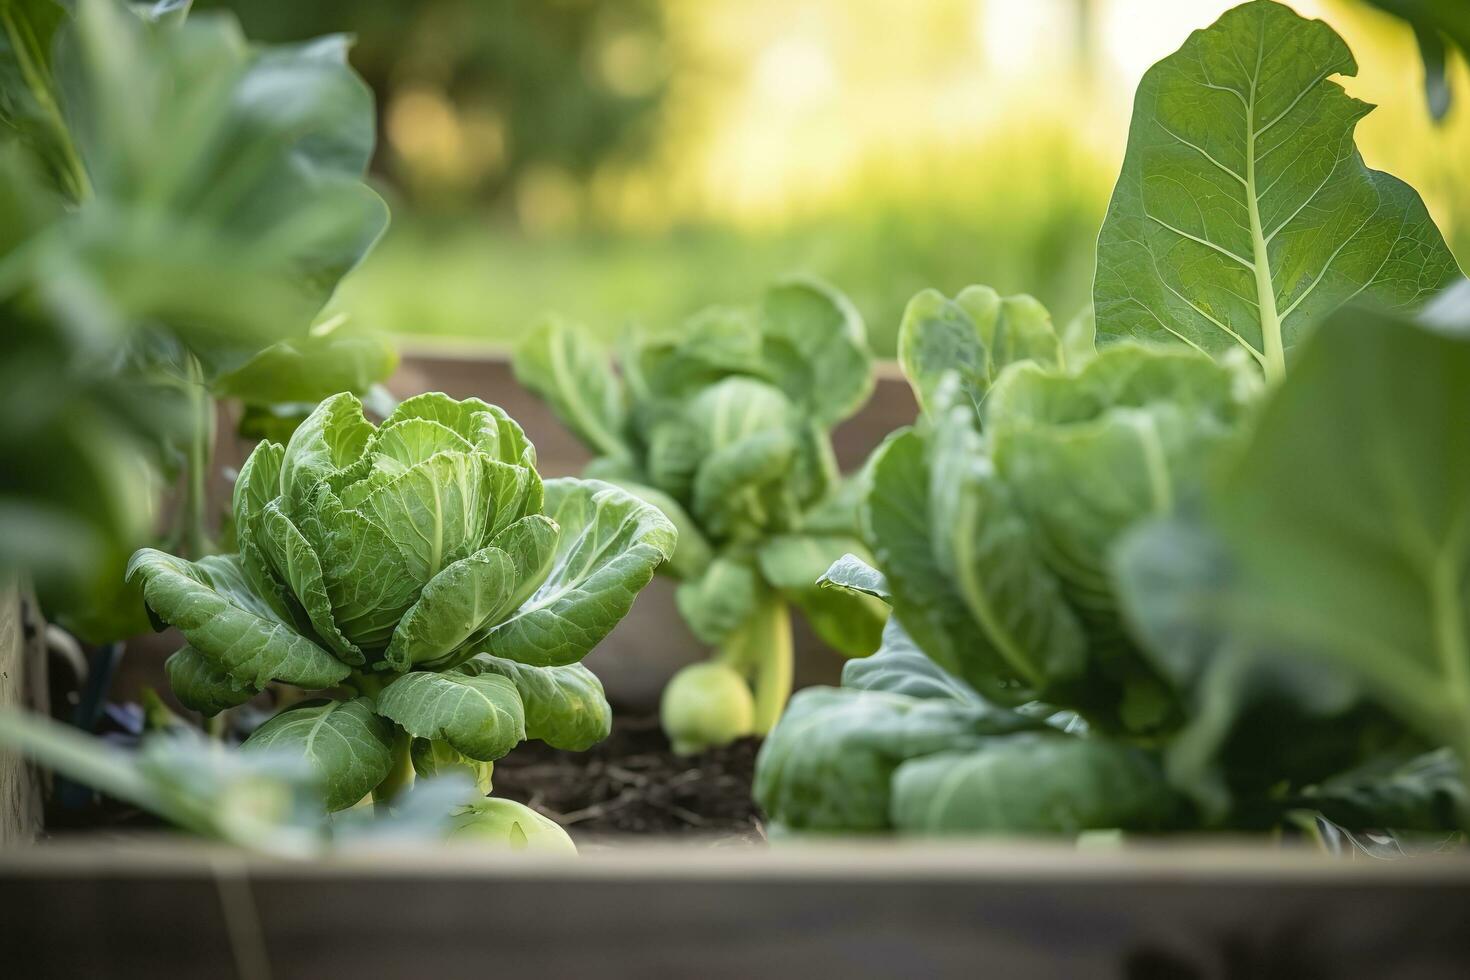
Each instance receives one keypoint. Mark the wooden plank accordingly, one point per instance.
(852, 911)
(22, 685)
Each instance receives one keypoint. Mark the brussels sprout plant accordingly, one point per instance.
(725, 427)
(422, 575)
(1214, 583)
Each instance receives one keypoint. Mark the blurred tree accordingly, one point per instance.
(490, 100)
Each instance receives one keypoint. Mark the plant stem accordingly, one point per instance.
(400, 774)
(761, 649)
(201, 453)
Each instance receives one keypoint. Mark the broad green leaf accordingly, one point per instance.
(397, 446)
(365, 575)
(1348, 517)
(508, 824)
(461, 603)
(433, 758)
(712, 344)
(974, 335)
(1258, 719)
(1244, 212)
(985, 546)
(28, 106)
(297, 564)
(479, 715)
(346, 743)
(896, 528)
(1032, 784)
(259, 482)
(816, 349)
(200, 684)
(900, 667)
(1086, 456)
(565, 706)
(445, 508)
(850, 623)
(721, 600)
(851, 574)
(332, 436)
(487, 427)
(1423, 792)
(610, 542)
(829, 762)
(693, 554)
(310, 368)
(560, 364)
(210, 602)
(454, 606)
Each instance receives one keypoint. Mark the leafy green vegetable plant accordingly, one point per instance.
(422, 574)
(178, 205)
(725, 427)
(1073, 649)
(1244, 213)
(1128, 591)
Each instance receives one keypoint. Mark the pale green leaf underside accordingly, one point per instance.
(610, 542)
(202, 686)
(1244, 212)
(345, 741)
(565, 706)
(210, 603)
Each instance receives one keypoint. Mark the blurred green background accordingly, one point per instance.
(628, 161)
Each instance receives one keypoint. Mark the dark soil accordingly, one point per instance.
(633, 784)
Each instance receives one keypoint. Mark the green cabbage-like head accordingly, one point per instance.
(413, 544)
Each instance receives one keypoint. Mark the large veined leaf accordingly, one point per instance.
(461, 603)
(816, 349)
(981, 542)
(975, 335)
(310, 368)
(1088, 455)
(346, 743)
(693, 553)
(565, 706)
(1032, 784)
(486, 427)
(453, 607)
(200, 684)
(479, 715)
(897, 530)
(829, 762)
(1244, 212)
(610, 542)
(1349, 518)
(560, 364)
(210, 602)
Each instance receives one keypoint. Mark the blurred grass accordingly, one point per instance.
(1021, 216)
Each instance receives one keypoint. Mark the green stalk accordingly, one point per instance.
(400, 774)
(197, 541)
(761, 650)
